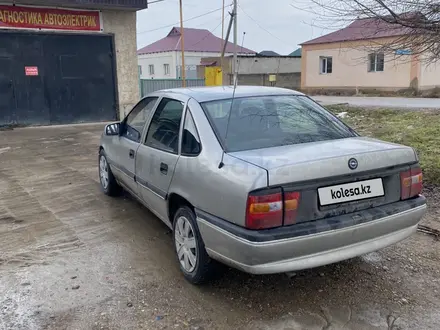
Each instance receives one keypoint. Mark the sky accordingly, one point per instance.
(268, 24)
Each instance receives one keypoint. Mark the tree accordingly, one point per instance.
(414, 24)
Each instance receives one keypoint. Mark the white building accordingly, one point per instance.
(162, 59)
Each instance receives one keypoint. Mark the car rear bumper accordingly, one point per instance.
(257, 255)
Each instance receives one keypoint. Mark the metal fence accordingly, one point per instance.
(151, 85)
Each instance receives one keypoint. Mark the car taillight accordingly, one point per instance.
(291, 202)
(411, 183)
(266, 209)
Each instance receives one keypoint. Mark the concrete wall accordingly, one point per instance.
(284, 80)
(255, 71)
(123, 25)
(350, 67)
(289, 80)
(268, 65)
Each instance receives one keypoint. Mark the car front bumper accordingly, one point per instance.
(271, 251)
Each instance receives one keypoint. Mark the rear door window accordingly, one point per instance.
(191, 145)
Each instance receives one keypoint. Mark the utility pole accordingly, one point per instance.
(223, 33)
(182, 71)
(228, 32)
(235, 43)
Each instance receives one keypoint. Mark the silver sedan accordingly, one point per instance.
(262, 179)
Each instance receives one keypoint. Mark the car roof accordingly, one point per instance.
(204, 94)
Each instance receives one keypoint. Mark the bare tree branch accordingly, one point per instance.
(409, 24)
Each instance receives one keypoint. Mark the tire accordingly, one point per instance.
(203, 269)
(109, 187)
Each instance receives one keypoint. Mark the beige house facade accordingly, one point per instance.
(349, 59)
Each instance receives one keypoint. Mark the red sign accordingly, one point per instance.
(31, 70)
(49, 18)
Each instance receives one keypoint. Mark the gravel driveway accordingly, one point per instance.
(72, 258)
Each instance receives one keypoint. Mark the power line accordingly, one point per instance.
(204, 23)
(261, 27)
(186, 20)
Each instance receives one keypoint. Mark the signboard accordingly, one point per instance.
(403, 52)
(272, 77)
(49, 18)
(31, 70)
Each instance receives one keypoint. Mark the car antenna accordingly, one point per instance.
(232, 102)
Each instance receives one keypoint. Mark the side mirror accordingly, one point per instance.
(113, 129)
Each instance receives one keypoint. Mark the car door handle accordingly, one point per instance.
(163, 168)
(131, 153)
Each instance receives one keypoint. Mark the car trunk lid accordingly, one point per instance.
(321, 171)
(311, 161)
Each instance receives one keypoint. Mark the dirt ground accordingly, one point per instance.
(73, 258)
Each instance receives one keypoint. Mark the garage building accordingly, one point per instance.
(69, 61)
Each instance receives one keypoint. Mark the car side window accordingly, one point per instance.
(190, 138)
(164, 129)
(136, 119)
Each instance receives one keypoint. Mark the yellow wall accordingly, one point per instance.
(350, 67)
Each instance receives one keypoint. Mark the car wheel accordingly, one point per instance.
(108, 182)
(194, 261)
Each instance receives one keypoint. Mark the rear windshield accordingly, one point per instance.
(272, 121)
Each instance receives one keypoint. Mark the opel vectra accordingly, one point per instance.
(262, 179)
